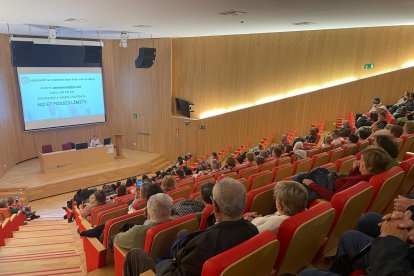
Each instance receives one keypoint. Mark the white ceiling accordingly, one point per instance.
(188, 18)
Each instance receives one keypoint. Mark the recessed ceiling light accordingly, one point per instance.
(75, 20)
(142, 26)
(232, 13)
(304, 23)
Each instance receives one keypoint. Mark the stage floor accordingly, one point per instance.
(27, 179)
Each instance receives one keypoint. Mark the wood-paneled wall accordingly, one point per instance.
(220, 71)
(227, 71)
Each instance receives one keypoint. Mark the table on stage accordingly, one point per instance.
(74, 159)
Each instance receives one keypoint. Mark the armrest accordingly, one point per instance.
(95, 253)
(8, 232)
(119, 256)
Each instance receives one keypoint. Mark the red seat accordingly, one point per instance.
(243, 259)
(139, 204)
(207, 211)
(385, 186)
(281, 172)
(261, 200)
(350, 149)
(329, 166)
(47, 148)
(283, 160)
(335, 154)
(245, 173)
(183, 192)
(100, 208)
(1, 235)
(197, 185)
(124, 199)
(217, 174)
(231, 175)
(301, 236)
(196, 196)
(344, 165)
(349, 206)
(362, 145)
(302, 165)
(268, 166)
(319, 160)
(311, 152)
(105, 215)
(407, 145)
(258, 180)
(67, 146)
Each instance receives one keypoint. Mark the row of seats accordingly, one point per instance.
(9, 223)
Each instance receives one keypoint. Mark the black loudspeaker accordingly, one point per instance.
(146, 57)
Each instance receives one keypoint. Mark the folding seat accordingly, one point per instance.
(349, 206)
(362, 145)
(159, 239)
(325, 149)
(47, 149)
(268, 166)
(385, 186)
(350, 149)
(311, 152)
(258, 180)
(319, 159)
(281, 172)
(302, 165)
(301, 236)
(186, 182)
(197, 185)
(244, 182)
(139, 204)
(204, 178)
(100, 208)
(124, 199)
(407, 145)
(335, 154)
(217, 174)
(231, 175)
(241, 167)
(180, 192)
(207, 211)
(108, 214)
(399, 142)
(245, 173)
(243, 259)
(344, 165)
(329, 166)
(283, 161)
(261, 200)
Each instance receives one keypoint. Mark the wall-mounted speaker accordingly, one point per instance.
(146, 57)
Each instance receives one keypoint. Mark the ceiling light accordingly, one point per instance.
(124, 40)
(52, 34)
(232, 13)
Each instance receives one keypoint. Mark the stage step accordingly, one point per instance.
(160, 164)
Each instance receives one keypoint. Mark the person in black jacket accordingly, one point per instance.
(229, 199)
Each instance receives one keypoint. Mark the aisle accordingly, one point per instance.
(45, 246)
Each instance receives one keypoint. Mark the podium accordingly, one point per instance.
(118, 146)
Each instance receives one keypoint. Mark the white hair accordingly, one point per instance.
(298, 145)
(230, 196)
(159, 207)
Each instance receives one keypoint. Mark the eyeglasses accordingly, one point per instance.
(214, 202)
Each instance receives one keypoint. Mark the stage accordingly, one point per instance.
(26, 179)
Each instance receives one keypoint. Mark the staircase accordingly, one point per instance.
(160, 163)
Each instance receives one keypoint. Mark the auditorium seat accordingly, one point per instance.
(335, 154)
(301, 236)
(344, 165)
(244, 182)
(268, 166)
(258, 180)
(158, 239)
(350, 149)
(139, 204)
(311, 152)
(100, 208)
(283, 161)
(325, 149)
(349, 206)
(67, 146)
(183, 192)
(47, 149)
(385, 186)
(204, 178)
(1, 235)
(399, 142)
(108, 214)
(97, 254)
(302, 165)
(362, 145)
(319, 160)
(407, 145)
(281, 172)
(231, 175)
(197, 185)
(255, 256)
(7, 228)
(196, 196)
(246, 172)
(124, 199)
(207, 211)
(261, 200)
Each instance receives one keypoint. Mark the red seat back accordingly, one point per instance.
(47, 148)
(303, 165)
(261, 200)
(281, 172)
(258, 180)
(350, 149)
(344, 165)
(335, 154)
(207, 211)
(245, 173)
(319, 159)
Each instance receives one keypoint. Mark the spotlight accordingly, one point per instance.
(52, 34)
(124, 40)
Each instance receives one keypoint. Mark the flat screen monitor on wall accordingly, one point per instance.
(182, 107)
(61, 96)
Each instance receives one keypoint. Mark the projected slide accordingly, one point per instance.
(57, 97)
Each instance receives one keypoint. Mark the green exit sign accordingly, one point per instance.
(369, 66)
(202, 127)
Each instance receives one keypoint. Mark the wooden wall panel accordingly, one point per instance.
(225, 71)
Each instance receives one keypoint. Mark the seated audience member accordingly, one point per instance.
(214, 156)
(336, 139)
(388, 144)
(80, 196)
(100, 199)
(15, 207)
(250, 159)
(311, 138)
(230, 163)
(276, 153)
(298, 151)
(140, 193)
(121, 191)
(240, 160)
(284, 140)
(281, 147)
(353, 138)
(324, 184)
(345, 130)
(130, 181)
(94, 142)
(259, 160)
(327, 141)
(399, 103)
(215, 166)
(396, 131)
(291, 198)
(362, 121)
(405, 108)
(381, 122)
(159, 208)
(257, 149)
(376, 102)
(168, 183)
(364, 133)
(388, 254)
(114, 187)
(408, 128)
(229, 199)
(264, 154)
(190, 206)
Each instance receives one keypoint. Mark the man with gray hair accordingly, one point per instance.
(159, 208)
(229, 199)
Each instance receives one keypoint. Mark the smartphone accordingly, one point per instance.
(16, 198)
(139, 182)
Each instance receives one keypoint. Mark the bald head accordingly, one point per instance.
(230, 196)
